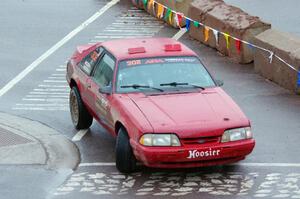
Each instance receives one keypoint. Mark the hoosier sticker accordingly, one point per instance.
(200, 154)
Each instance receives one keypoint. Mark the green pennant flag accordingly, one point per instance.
(196, 24)
(167, 14)
(145, 2)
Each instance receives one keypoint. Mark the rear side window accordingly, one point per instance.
(103, 73)
(88, 63)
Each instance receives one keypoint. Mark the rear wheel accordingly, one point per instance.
(79, 114)
(125, 159)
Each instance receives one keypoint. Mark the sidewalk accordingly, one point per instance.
(27, 142)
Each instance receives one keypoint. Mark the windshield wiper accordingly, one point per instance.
(175, 84)
(137, 86)
(196, 86)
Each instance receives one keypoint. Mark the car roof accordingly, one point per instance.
(154, 47)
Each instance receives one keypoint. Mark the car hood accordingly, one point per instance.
(191, 114)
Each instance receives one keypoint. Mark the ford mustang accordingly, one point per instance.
(159, 101)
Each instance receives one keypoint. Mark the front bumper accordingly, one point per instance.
(193, 156)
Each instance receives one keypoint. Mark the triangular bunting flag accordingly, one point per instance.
(166, 18)
(226, 36)
(178, 19)
(250, 46)
(188, 24)
(206, 33)
(196, 24)
(298, 82)
(145, 3)
(171, 18)
(238, 46)
(150, 4)
(271, 57)
(216, 33)
(160, 11)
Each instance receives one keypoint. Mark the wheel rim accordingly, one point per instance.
(74, 108)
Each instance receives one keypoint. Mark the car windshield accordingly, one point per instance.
(153, 74)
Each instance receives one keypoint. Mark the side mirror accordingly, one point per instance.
(105, 90)
(219, 83)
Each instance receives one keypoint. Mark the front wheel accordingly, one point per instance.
(81, 118)
(125, 159)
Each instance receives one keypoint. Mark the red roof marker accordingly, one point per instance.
(136, 50)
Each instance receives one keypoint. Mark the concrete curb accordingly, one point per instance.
(28, 142)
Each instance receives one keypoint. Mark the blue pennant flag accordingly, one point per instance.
(188, 24)
(250, 46)
(298, 82)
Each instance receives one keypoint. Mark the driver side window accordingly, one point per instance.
(103, 73)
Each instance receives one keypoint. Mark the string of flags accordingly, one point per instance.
(167, 14)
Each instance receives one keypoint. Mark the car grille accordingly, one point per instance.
(201, 140)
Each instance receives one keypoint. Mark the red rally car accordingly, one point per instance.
(160, 102)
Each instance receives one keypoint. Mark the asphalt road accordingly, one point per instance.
(283, 15)
(36, 25)
(43, 96)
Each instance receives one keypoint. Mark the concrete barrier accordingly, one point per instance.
(181, 6)
(287, 47)
(229, 19)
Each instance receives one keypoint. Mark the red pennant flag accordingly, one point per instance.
(238, 46)
(179, 18)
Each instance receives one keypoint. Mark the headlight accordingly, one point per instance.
(159, 140)
(237, 134)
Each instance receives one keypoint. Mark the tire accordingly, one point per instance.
(125, 159)
(81, 118)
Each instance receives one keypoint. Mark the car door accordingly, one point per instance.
(103, 78)
(86, 66)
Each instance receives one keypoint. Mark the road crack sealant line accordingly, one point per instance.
(177, 14)
(54, 48)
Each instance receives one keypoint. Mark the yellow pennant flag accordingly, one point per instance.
(150, 4)
(227, 40)
(171, 18)
(160, 10)
(206, 34)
